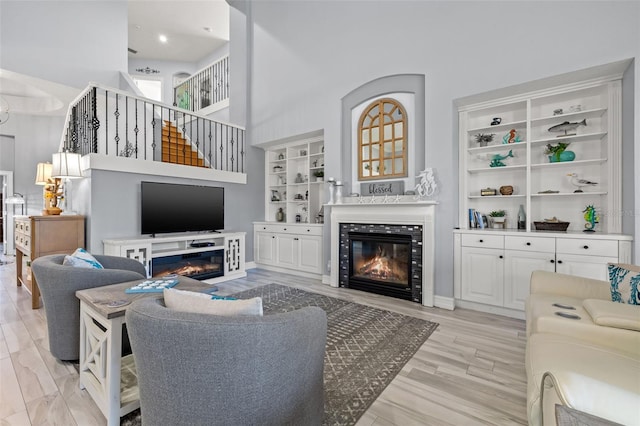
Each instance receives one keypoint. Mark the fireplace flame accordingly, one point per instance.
(380, 267)
(190, 269)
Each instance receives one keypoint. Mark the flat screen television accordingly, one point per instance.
(169, 207)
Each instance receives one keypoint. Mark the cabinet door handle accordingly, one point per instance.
(528, 243)
(285, 229)
(264, 227)
(585, 247)
(552, 261)
(296, 239)
(273, 236)
(500, 256)
(482, 241)
(559, 261)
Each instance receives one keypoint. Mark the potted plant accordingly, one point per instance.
(484, 138)
(498, 218)
(558, 153)
(319, 174)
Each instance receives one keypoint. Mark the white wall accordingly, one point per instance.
(36, 138)
(68, 42)
(167, 70)
(307, 55)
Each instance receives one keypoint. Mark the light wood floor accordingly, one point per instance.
(470, 371)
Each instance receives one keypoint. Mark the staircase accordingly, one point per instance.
(176, 149)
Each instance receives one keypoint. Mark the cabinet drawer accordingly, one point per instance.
(288, 229)
(606, 248)
(537, 244)
(482, 240)
(23, 242)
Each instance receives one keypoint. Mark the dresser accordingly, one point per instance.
(37, 236)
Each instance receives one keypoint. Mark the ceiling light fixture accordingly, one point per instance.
(162, 38)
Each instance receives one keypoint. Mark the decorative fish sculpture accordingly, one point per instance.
(567, 127)
(496, 160)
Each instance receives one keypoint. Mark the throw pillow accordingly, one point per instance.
(190, 301)
(625, 283)
(82, 259)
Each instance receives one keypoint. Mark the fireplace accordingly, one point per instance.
(383, 259)
(199, 266)
(401, 216)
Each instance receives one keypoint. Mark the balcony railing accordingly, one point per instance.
(205, 88)
(111, 122)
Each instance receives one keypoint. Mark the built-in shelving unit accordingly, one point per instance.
(492, 267)
(291, 181)
(530, 172)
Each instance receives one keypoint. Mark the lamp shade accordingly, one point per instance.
(43, 173)
(66, 165)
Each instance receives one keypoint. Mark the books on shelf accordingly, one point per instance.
(477, 220)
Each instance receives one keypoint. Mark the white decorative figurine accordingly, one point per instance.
(427, 185)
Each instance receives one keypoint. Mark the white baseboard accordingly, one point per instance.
(250, 265)
(498, 310)
(289, 271)
(443, 302)
(326, 279)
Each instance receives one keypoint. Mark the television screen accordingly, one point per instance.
(170, 207)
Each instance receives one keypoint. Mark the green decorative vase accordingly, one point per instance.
(562, 156)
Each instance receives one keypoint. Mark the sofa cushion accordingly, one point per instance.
(82, 259)
(597, 380)
(542, 318)
(612, 314)
(625, 283)
(190, 301)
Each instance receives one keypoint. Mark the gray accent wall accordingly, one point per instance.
(305, 57)
(113, 200)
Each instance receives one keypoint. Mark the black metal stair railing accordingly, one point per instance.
(111, 122)
(205, 88)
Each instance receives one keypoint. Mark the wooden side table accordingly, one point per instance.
(37, 236)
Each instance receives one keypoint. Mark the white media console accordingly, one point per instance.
(146, 248)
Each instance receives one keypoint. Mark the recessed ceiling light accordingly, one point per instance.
(208, 29)
(162, 38)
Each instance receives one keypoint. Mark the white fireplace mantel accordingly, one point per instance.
(403, 213)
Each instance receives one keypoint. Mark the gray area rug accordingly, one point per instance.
(366, 348)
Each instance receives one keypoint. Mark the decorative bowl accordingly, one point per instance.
(551, 226)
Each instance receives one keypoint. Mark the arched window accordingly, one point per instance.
(382, 141)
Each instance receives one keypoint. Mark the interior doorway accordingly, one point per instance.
(6, 186)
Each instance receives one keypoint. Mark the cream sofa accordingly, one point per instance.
(592, 363)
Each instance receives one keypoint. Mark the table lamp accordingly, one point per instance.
(52, 189)
(66, 165)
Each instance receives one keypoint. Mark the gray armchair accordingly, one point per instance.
(58, 285)
(198, 369)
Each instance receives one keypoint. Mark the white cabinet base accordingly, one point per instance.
(492, 269)
(291, 248)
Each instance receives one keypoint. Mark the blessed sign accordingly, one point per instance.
(387, 188)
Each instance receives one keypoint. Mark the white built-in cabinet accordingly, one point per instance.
(294, 185)
(492, 267)
(294, 247)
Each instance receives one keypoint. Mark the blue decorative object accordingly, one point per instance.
(563, 156)
(496, 160)
(591, 217)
